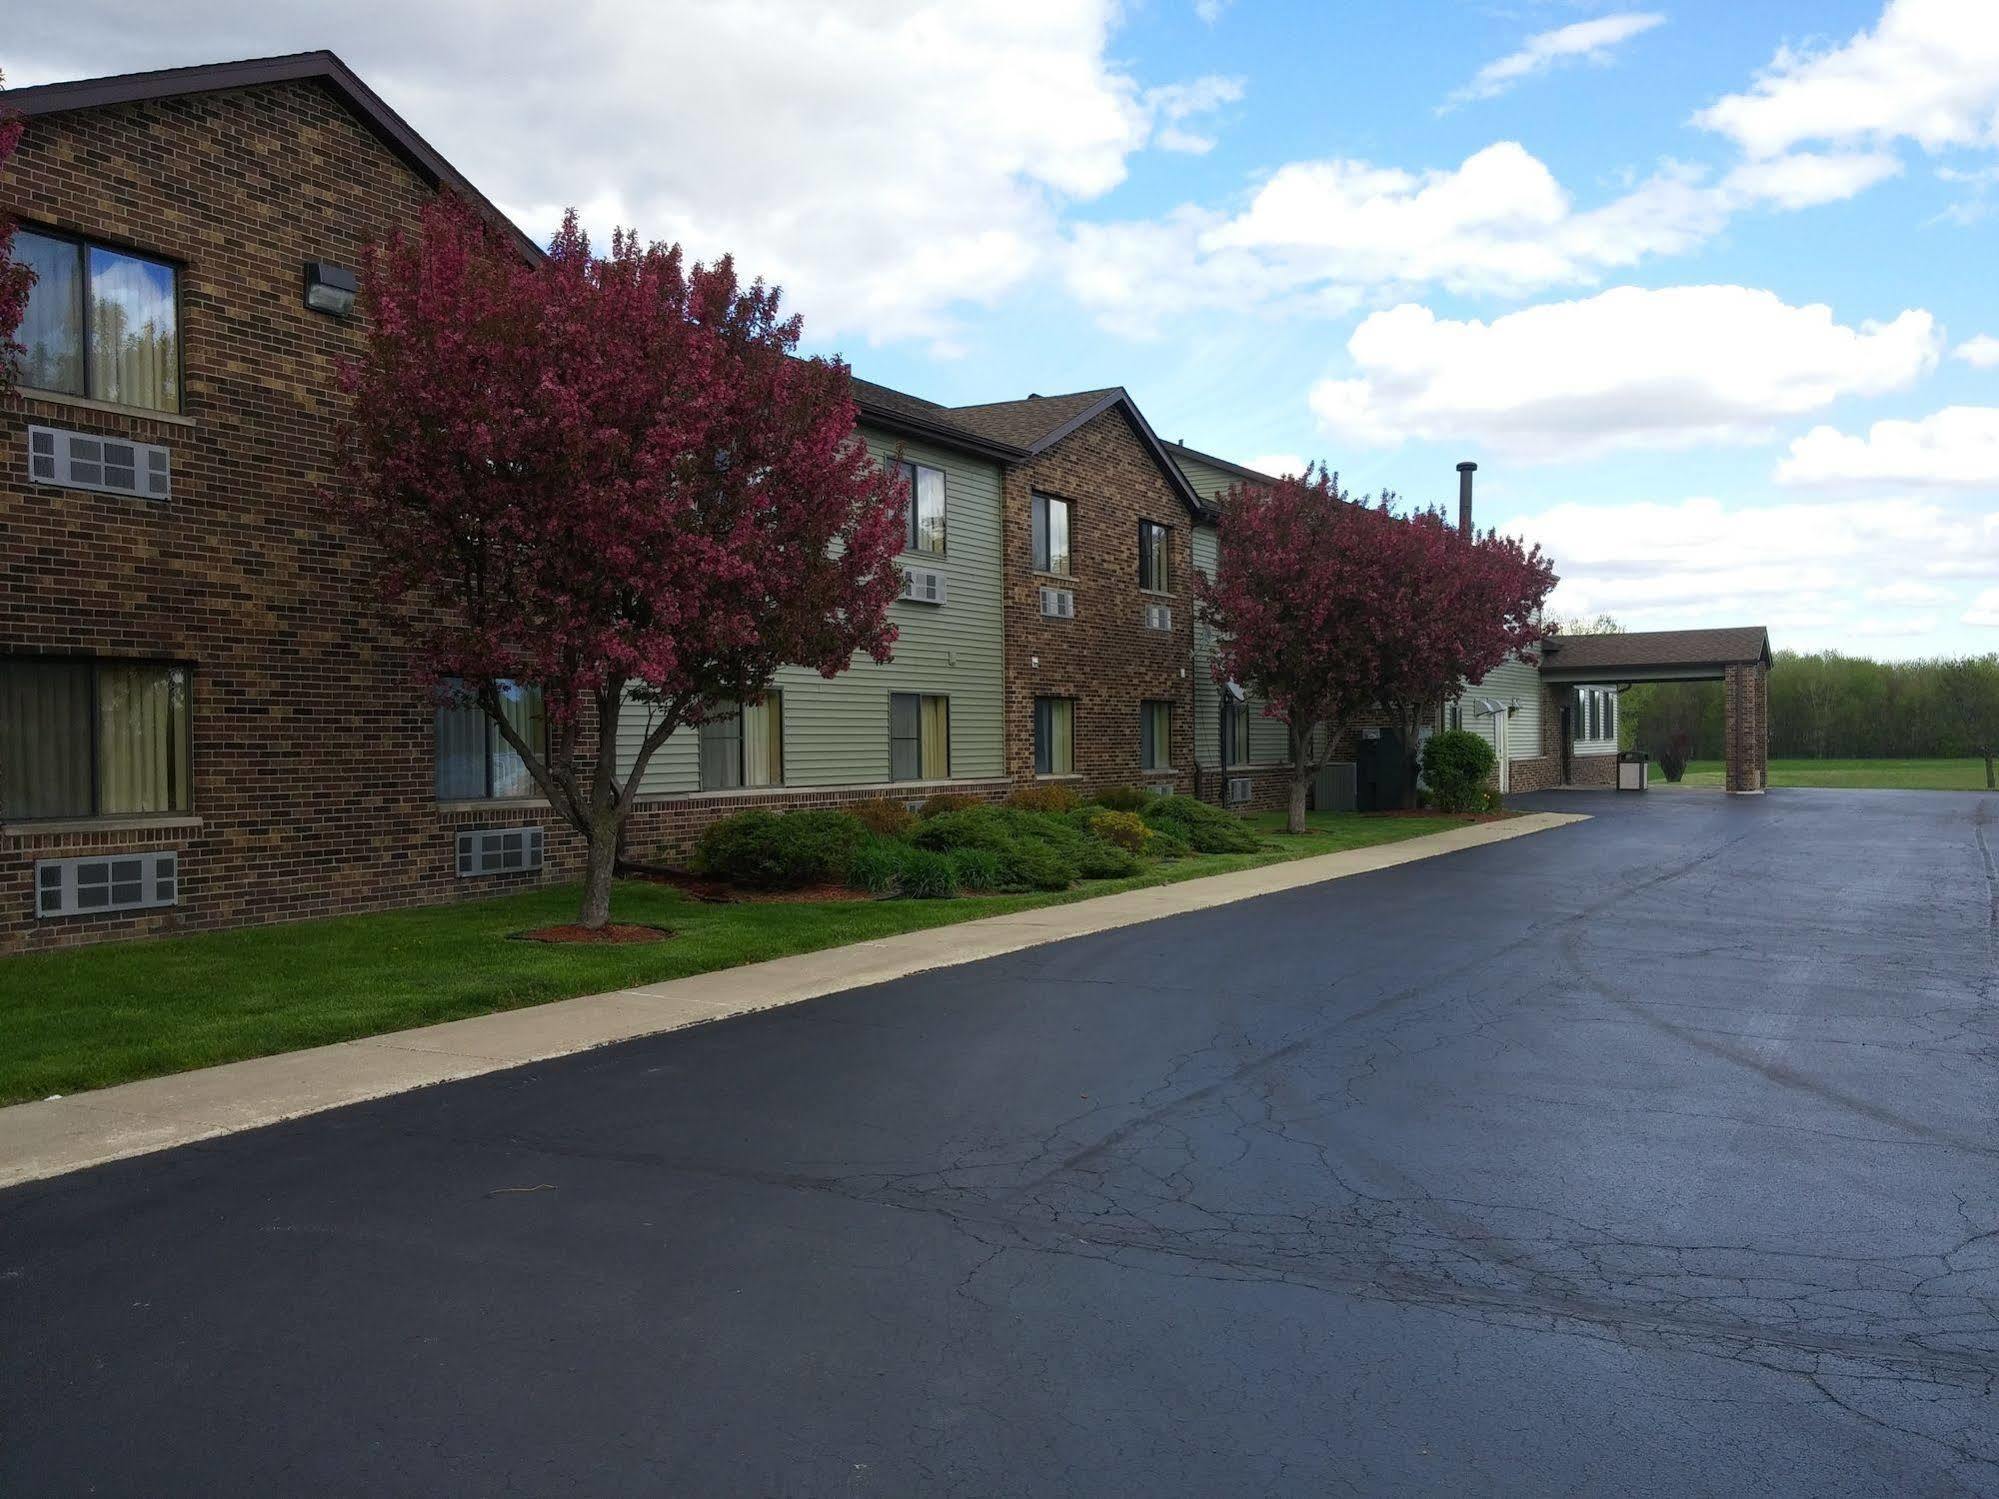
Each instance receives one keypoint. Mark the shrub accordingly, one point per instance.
(976, 868)
(876, 867)
(884, 818)
(763, 851)
(1206, 829)
(927, 875)
(1455, 765)
(1673, 758)
(1127, 830)
(1491, 802)
(1035, 851)
(1126, 799)
(1168, 842)
(1056, 799)
(1098, 860)
(948, 801)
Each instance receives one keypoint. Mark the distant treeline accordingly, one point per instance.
(1824, 706)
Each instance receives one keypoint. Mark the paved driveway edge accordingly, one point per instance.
(60, 1135)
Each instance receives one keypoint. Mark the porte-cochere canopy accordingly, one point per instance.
(1739, 658)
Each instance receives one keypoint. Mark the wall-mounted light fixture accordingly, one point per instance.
(330, 288)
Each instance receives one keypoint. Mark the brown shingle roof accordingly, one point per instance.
(912, 416)
(1656, 648)
(1030, 423)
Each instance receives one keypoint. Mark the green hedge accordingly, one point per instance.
(763, 851)
(1456, 764)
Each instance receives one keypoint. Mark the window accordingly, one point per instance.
(93, 738)
(1051, 535)
(100, 323)
(1454, 714)
(919, 737)
(1596, 713)
(925, 531)
(474, 761)
(1155, 735)
(1155, 557)
(745, 748)
(1235, 729)
(1054, 736)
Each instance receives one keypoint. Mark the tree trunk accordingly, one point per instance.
(1990, 784)
(607, 820)
(1301, 777)
(601, 863)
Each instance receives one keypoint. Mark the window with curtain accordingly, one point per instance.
(1054, 736)
(1235, 730)
(1051, 535)
(925, 529)
(1155, 735)
(744, 747)
(94, 738)
(474, 760)
(919, 737)
(1155, 557)
(100, 323)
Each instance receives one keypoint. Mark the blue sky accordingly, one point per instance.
(1705, 289)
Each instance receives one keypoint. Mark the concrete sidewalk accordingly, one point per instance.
(67, 1134)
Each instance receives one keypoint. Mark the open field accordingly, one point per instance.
(71, 1021)
(1896, 775)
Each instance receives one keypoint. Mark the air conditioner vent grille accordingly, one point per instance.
(110, 465)
(498, 851)
(117, 882)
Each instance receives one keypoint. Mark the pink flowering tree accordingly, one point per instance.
(1329, 609)
(1468, 604)
(609, 478)
(15, 278)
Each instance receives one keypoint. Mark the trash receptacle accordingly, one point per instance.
(1631, 769)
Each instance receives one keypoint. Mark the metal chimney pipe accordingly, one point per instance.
(1465, 471)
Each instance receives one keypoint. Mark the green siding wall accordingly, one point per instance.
(1518, 683)
(1269, 740)
(1208, 481)
(836, 733)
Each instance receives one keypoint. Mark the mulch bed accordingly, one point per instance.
(611, 934)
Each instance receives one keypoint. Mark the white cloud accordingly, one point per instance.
(1593, 41)
(1958, 445)
(1984, 609)
(1628, 368)
(1172, 104)
(1980, 352)
(1907, 594)
(1211, 10)
(1809, 571)
(1327, 233)
(1280, 465)
(1928, 72)
(886, 163)
(1806, 179)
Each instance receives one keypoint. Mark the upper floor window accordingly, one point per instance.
(93, 738)
(1051, 535)
(745, 746)
(1155, 557)
(100, 323)
(474, 760)
(925, 531)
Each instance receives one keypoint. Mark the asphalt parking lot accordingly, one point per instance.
(1650, 1155)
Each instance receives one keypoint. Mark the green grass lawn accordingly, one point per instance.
(71, 1021)
(1901, 775)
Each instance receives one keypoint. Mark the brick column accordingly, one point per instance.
(1746, 727)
